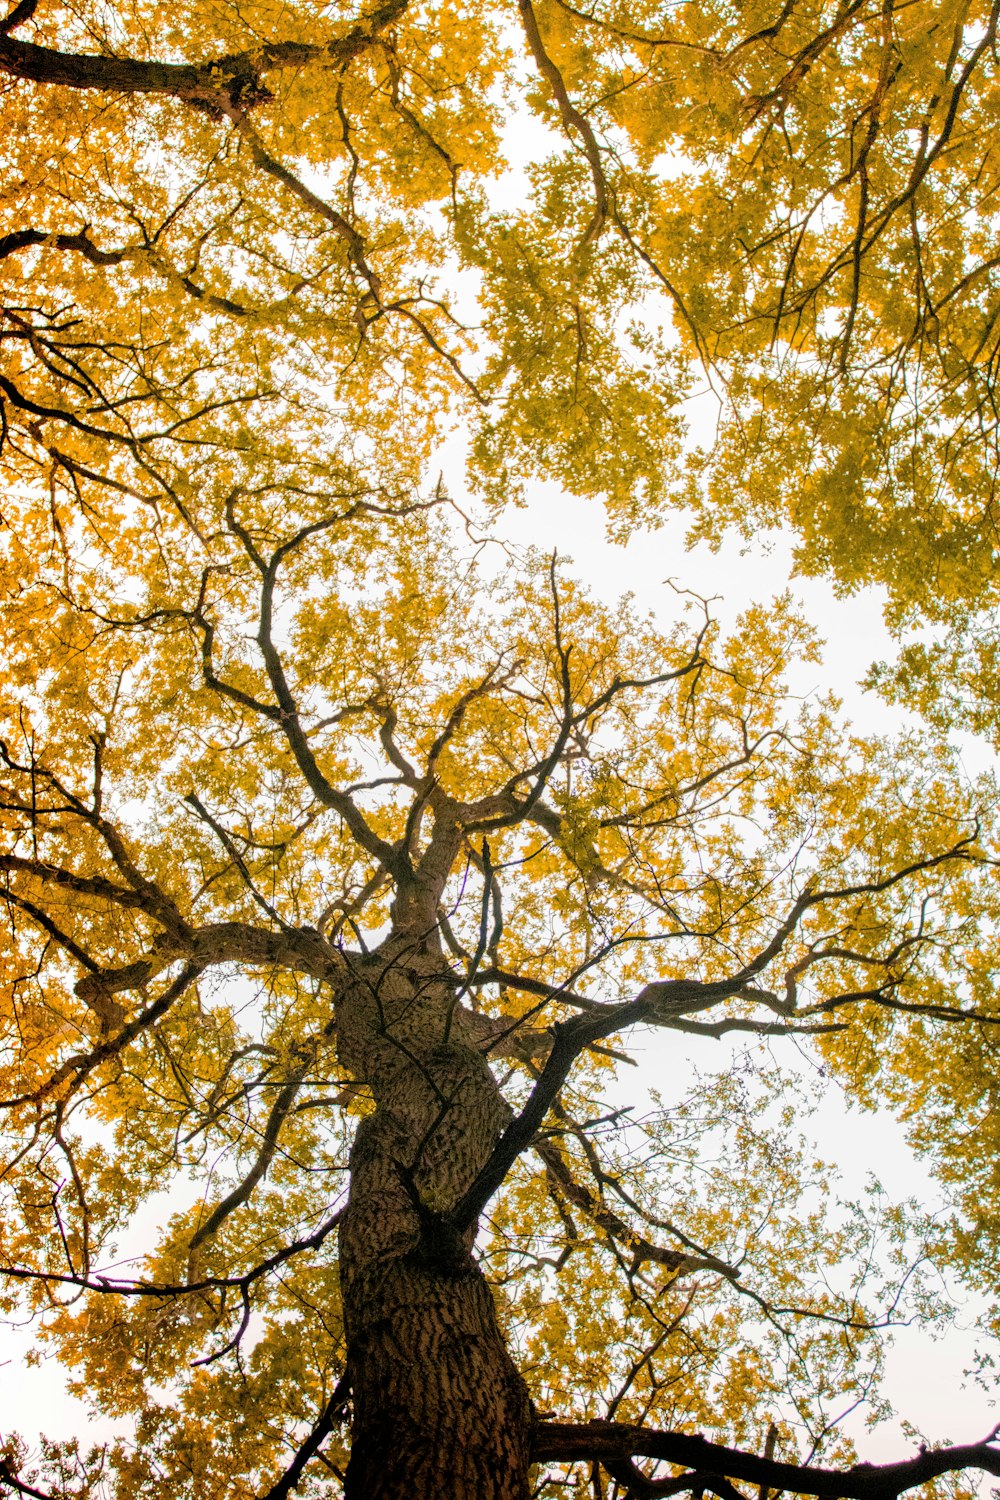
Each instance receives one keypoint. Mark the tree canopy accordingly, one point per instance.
(348, 850)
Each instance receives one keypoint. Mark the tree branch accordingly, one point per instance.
(568, 1442)
(220, 85)
(331, 1412)
(76, 1068)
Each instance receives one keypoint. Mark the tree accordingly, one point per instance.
(345, 849)
(428, 842)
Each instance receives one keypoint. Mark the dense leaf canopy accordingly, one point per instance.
(347, 850)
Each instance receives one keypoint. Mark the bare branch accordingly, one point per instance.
(567, 1442)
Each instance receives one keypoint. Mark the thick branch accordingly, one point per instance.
(571, 1038)
(76, 1068)
(615, 1226)
(26, 239)
(567, 1442)
(332, 1412)
(661, 1003)
(269, 1144)
(219, 85)
(9, 1479)
(572, 119)
(80, 885)
(288, 712)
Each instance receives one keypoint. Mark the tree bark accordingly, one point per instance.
(218, 85)
(439, 1407)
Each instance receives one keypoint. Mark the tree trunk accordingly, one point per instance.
(439, 1408)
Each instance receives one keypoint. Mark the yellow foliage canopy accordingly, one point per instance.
(346, 850)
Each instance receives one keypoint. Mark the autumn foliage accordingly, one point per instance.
(351, 854)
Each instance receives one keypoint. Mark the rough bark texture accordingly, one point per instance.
(219, 85)
(439, 1408)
